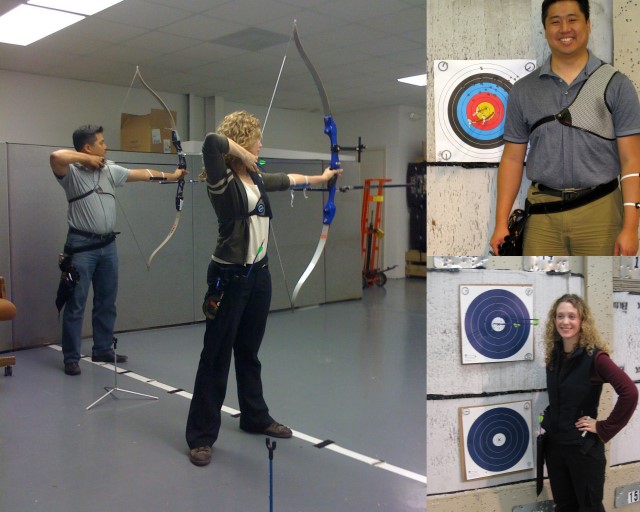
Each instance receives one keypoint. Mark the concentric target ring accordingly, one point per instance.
(498, 439)
(497, 324)
(477, 108)
(470, 107)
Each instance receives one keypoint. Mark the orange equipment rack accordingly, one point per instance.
(371, 232)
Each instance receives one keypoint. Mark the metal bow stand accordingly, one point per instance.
(115, 387)
(271, 447)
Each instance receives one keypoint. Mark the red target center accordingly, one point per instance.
(485, 111)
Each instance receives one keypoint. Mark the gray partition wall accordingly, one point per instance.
(338, 274)
(170, 293)
(6, 328)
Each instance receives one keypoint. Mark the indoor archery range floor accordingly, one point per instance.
(348, 378)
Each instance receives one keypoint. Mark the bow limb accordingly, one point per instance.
(330, 129)
(182, 164)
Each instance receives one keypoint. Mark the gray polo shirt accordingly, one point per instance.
(561, 156)
(95, 213)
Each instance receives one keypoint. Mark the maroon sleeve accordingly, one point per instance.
(627, 392)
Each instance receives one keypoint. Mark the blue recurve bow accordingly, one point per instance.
(329, 209)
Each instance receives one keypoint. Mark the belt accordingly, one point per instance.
(264, 262)
(569, 194)
(97, 236)
(585, 196)
(565, 194)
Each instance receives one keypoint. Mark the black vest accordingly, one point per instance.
(571, 395)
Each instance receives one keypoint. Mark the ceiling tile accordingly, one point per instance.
(358, 47)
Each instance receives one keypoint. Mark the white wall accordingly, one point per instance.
(401, 136)
(626, 314)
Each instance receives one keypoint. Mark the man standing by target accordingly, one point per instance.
(582, 120)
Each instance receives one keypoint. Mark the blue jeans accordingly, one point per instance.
(98, 267)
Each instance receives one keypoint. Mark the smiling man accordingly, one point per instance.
(584, 154)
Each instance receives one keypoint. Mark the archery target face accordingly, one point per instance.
(496, 323)
(471, 104)
(497, 439)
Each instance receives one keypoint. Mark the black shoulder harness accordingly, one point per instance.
(263, 206)
(589, 111)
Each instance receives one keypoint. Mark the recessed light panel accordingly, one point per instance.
(26, 24)
(87, 7)
(420, 80)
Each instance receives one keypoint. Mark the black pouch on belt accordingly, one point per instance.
(213, 298)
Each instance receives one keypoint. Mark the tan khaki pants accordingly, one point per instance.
(590, 230)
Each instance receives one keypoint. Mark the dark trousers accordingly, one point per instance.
(576, 478)
(238, 326)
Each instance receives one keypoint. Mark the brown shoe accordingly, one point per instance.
(278, 430)
(201, 456)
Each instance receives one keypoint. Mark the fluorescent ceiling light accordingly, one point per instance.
(420, 80)
(87, 7)
(26, 24)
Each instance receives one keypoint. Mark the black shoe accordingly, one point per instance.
(72, 369)
(108, 358)
(200, 456)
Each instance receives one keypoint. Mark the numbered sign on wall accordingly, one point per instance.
(496, 323)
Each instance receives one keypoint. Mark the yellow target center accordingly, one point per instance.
(484, 112)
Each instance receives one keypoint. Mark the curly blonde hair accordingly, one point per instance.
(241, 127)
(589, 338)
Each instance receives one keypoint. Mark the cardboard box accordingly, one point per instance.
(149, 133)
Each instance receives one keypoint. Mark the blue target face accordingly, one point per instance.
(498, 439)
(497, 324)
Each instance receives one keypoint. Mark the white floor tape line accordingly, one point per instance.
(330, 445)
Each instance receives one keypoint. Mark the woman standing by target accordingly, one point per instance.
(578, 365)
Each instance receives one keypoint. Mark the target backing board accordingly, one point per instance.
(496, 323)
(470, 106)
(496, 439)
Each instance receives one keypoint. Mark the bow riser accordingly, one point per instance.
(182, 164)
(332, 132)
(329, 209)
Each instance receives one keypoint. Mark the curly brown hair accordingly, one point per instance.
(589, 336)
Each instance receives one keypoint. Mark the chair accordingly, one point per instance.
(7, 312)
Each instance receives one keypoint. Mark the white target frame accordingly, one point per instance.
(502, 453)
(496, 323)
(483, 84)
